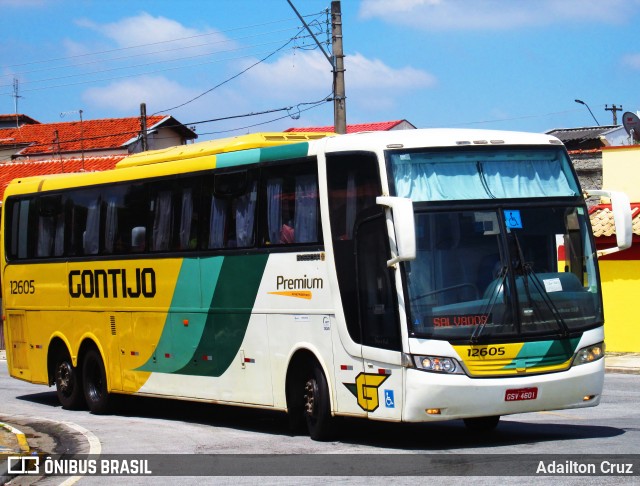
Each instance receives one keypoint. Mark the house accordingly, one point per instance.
(585, 149)
(108, 136)
(619, 272)
(34, 148)
(15, 121)
(361, 127)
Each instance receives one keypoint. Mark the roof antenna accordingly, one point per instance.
(62, 115)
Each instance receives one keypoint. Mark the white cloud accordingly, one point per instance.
(125, 96)
(292, 75)
(364, 73)
(495, 14)
(305, 75)
(161, 36)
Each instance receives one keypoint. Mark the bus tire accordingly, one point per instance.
(317, 405)
(95, 382)
(68, 382)
(482, 424)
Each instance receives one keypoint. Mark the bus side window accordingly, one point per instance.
(187, 226)
(85, 215)
(245, 215)
(21, 224)
(50, 238)
(292, 206)
(232, 207)
(175, 215)
(162, 221)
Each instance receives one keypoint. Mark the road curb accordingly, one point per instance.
(20, 437)
(626, 371)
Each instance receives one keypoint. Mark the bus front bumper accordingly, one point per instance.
(434, 396)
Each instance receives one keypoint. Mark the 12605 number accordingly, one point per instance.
(21, 287)
(486, 351)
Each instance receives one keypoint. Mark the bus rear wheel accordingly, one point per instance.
(95, 382)
(68, 383)
(317, 406)
(482, 424)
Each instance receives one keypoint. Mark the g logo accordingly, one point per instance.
(367, 386)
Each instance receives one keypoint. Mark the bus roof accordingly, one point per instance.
(228, 152)
(213, 147)
(435, 137)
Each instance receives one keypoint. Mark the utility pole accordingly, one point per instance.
(337, 65)
(143, 127)
(339, 98)
(615, 109)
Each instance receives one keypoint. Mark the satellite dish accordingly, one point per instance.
(631, 124)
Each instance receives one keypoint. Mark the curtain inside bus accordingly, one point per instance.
(445, 176)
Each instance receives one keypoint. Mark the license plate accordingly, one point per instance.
(521, 394)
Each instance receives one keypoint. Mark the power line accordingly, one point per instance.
(268, 121)
(232, 77)
(151, 53)
(152, 43)
(288, 109)
(498, 120)
(131, 75)
(152, 63)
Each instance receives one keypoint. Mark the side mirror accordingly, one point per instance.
(621, 217)
(403, 224)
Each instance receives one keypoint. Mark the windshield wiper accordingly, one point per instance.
(547, 300)
(488, 308)
(527, 271)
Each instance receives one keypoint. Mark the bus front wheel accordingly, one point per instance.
(482, 424)
(68, 383)
(317, 406)
(95, 382)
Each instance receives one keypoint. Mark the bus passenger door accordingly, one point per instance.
(381, 385)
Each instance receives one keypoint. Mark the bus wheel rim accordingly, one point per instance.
(64, 378)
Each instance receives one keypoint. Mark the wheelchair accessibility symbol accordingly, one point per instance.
(389, 401)
(512, 218)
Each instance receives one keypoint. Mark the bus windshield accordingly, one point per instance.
(502, 273)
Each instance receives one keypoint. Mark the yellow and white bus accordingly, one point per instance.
(415, 275)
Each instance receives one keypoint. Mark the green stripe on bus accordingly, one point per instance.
(545, 353)
(229, 315)
(282, 152)
(253, 156)
(234, 159)
(179, 340)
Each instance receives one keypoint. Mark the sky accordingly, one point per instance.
(229, 67)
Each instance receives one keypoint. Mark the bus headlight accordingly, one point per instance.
(437, 364)
(589, 354)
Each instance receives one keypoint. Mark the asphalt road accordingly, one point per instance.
(142, 426)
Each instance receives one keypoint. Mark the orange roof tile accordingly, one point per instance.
(15, 170)
(602, 220)
(75, 136)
